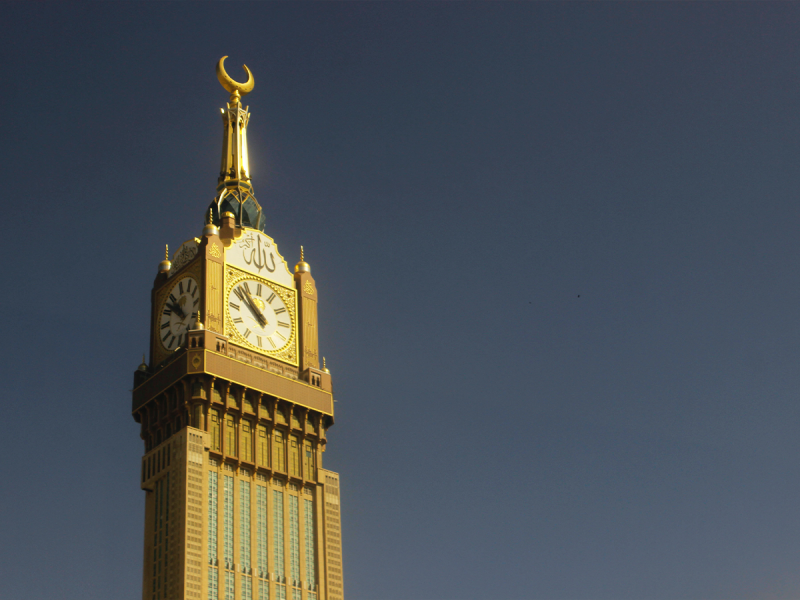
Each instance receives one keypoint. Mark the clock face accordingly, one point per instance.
(260, 315)
(178, 312)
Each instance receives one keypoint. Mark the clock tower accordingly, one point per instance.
(235, 407)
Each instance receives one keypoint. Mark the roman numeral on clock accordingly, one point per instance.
(246, 333)
(180, 288)
(258, 290)
(280, 310)
(238, 320)
(239, 293)
(282, 324)
(167, 312)
(271, 343)
(233, 305)
(258, 337)
(280, 335)
(165, 325)
(271, 298)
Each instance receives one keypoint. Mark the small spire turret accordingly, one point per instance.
(210, 229)
(302, 266)
(198, 324)
(165, 265)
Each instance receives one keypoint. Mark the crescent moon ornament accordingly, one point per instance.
(236, 89)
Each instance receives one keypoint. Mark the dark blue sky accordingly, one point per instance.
(557, 254)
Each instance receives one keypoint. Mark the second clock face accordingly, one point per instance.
(178, 313)
(260, 315)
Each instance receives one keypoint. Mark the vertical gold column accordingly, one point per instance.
(149, 516)
(301, 529)
(237, 529)
(220, 526)
(214, 283)
(287, 549)
(270, 545)
(253, 574)
(319, 540)
(205, 516)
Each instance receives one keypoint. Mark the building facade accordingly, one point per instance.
(234, 408)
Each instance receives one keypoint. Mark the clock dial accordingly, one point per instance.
(178, 312)
(260, 315)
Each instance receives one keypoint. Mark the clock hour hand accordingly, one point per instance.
(177, 309)
(256, 311)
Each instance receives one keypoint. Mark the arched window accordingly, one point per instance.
(215, 430)
(247, 441)
(230, 436)
(262, 446)
(309, 466)
(279, 452)
(294, 457)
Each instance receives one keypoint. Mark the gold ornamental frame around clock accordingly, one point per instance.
(287, 353)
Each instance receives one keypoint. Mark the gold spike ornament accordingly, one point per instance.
(164, 266)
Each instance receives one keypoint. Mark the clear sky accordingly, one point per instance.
(557, 257)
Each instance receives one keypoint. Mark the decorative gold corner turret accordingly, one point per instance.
(307, 293)
(165, 265)
(302, 266)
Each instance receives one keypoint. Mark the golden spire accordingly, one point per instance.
(235, 166)
(234, 190)
(325, 366)
(166, 251)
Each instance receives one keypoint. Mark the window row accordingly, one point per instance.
(262, 446)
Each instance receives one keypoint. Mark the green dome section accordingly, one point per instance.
(239, 200)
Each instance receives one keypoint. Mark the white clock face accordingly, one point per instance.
(178, 313)
(260, 315)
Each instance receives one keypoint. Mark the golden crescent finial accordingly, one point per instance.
(231, 85)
